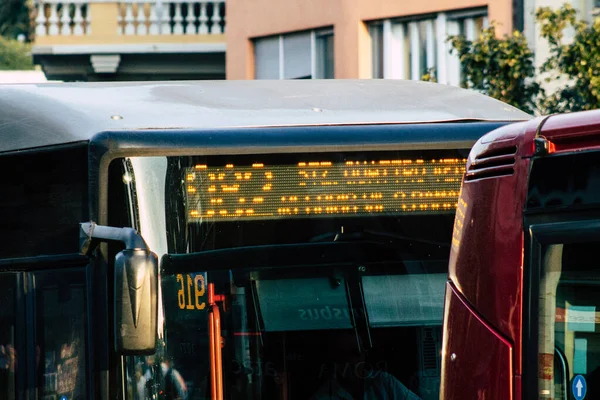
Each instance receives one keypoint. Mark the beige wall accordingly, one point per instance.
(248, 19)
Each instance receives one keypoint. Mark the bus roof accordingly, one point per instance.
(35, 115)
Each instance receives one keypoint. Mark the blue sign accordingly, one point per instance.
(579, 387)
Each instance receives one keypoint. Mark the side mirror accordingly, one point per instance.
(136, 302)
(136, 288)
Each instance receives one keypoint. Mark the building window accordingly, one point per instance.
(266, 58)
(407, 48)
(376, 31)
(302, 55)
(324, 55)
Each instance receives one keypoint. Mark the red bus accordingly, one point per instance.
(521, 320)
(229, 240)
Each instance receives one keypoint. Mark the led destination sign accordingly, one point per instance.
(323, 188)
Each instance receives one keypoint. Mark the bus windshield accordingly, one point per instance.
(324, 272)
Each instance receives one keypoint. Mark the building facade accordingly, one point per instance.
(356, 39)
(115, 40)
(97, 40)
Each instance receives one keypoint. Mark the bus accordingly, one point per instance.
(521, 320)
(229, 239)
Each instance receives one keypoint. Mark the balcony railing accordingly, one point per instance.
(172, 18)
(128, 21)
(63, 18)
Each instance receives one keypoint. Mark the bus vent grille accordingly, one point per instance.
(493, 163)
(430, 352)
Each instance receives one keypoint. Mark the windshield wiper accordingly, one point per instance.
(346, 235)
(282, 256)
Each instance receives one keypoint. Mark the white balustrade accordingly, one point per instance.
(62, 18)
(171, 17)
(134, 17)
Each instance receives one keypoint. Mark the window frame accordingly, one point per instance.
(316, 57)
(314, 34)
(396, 56)
(537, 237)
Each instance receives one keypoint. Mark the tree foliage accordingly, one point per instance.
(504, 68)
(499, 67)
(15, 55)
(15, 19)
(577, 60)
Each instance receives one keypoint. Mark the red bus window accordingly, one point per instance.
(569, 319)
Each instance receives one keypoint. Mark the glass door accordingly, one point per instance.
(563, 316)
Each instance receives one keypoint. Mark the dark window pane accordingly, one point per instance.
(377, 55)
(60, 300)
(43, 200)
(296, 56)
(266, 58)
(325, 56)
(8, 355)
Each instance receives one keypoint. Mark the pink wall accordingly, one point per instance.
(248, 19)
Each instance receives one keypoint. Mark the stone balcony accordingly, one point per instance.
(130, 39)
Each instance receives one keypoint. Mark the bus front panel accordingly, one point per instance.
(328, 270)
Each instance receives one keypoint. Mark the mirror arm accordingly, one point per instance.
(90, 231)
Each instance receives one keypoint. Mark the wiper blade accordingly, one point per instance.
(280, 256)
(373, 236)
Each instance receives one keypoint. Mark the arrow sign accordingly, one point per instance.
(579, 387)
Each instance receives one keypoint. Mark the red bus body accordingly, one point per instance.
(483, 339)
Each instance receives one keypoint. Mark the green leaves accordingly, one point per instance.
(553, 23)
(14, 55)
(500, 67)
(430, 75)
(504, 68)
(14, 21)
(576, 62)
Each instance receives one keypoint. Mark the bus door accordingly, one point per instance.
(564, 321)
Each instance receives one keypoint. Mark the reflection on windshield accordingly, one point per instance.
(156, 377)
(289, 334)
(303, 304)
(409, 299)
(349, 374)
(299, 338)
(353, 316)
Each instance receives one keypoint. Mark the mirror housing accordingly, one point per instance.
(135, 302)
(135, 287)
